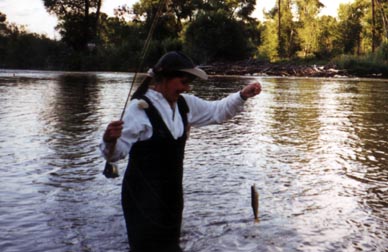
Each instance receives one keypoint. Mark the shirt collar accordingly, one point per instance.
(158, 97)
(151, 93)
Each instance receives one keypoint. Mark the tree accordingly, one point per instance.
(181, 17)
(169, 23)
(78, 20)
(350, 27)
(308, 29)
(241, 9)
(373, 26)
(280, 38)
(279, 32)
(383, 10)
(246, 9)
(268, 49)
(366, 21)
(217, 36)
(183, 10)
(3, 28)
(3, 17)
(327, 37)
(374, 23)
(288, 36)
(20, 49)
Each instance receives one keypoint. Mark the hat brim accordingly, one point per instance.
(196, 71)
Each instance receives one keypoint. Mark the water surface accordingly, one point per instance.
(315, 148)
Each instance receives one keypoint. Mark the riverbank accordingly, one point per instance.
(256, 67)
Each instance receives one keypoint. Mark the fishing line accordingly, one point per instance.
(111, 170)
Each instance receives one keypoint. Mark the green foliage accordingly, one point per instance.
(71, 29)
(374, 24)
(289, 37)
(240, 9)
(372, 64)
(19, 49)
(279, 39)
(268, 49)
(172, 44)
(327, 38)
(216, 36)
(382, 51)
(170, 23)
(3, 17)
(349, 27)
(78, 20)
(209, 30)
(308, 29)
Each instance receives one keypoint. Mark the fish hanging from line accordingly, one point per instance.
(255, 202)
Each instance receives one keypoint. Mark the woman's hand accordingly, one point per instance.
(113, 131)
(250, 90)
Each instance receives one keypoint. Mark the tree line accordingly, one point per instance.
(208, 30)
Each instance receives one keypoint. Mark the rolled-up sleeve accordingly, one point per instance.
(136, 127)
(204, 112)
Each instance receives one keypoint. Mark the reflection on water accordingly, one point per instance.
(316, 150)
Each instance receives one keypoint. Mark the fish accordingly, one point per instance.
(255, 202)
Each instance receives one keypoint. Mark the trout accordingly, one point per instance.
(255, 202)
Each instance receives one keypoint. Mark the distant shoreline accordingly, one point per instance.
(250, 68)
(260, 68)
(285, 69)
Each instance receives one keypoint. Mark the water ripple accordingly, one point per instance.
(316, 150)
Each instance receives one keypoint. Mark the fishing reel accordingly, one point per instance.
(111, 170)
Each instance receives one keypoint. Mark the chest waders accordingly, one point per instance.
(152, 193)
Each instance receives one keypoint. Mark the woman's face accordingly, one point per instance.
(172, 88)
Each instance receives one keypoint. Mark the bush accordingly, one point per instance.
(366, 66)
(382, 51)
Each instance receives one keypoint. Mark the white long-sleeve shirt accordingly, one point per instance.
(137, 126)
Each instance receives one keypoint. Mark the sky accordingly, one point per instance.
(32, 14)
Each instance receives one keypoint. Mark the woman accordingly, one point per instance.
(153, 132)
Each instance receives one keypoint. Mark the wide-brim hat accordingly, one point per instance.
(177, 61)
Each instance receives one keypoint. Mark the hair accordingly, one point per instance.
(166, 68)
(158, 78)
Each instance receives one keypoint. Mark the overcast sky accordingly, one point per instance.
(33, 15)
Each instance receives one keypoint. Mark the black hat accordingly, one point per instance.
(177, 61)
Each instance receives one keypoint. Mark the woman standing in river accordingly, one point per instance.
(154, 132)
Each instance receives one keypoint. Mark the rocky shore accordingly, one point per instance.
(254, 67)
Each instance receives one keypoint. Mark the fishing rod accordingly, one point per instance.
(111, 170)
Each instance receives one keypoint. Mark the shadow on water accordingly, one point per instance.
(74, 125)
(69, 126)
(72, 120)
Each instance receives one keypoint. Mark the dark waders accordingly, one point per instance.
(152, 193)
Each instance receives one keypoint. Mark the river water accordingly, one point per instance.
(317, 150)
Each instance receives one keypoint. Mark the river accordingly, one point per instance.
(317, 150)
